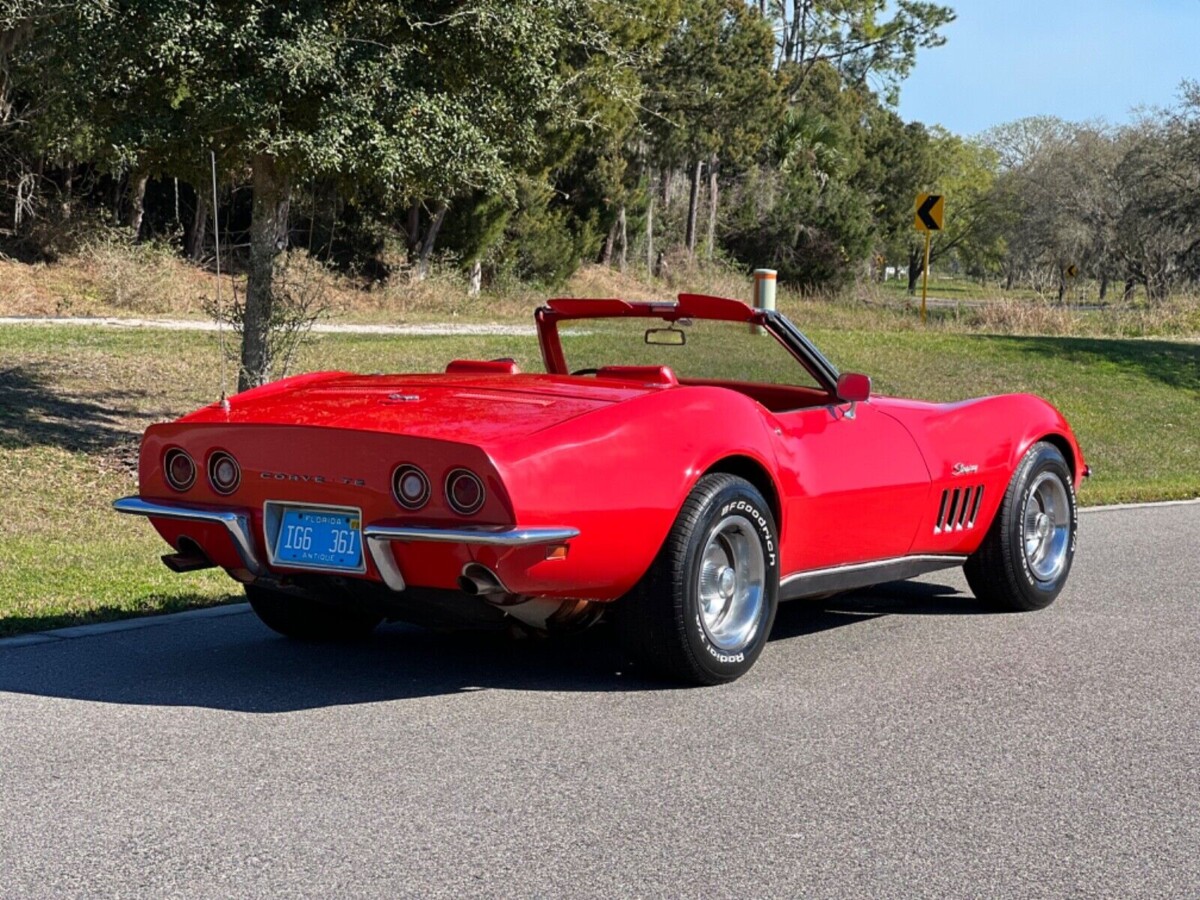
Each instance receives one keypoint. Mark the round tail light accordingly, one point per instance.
(410, 487)
(464, 492)
(224, 473)
(179, 469)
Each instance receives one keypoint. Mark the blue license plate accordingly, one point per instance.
(321, 539)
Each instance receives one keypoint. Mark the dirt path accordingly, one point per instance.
(434, 328)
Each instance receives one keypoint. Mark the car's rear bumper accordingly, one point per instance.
(379, 538)
(235, 522)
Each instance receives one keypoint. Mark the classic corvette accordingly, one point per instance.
(706, 462)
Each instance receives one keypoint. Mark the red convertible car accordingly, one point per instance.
(681, 466)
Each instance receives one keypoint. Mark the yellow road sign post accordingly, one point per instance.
(928, 217)
(925, 278)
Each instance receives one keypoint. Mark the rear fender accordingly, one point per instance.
(620, 475)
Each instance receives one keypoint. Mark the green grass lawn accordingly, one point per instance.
(73, 402)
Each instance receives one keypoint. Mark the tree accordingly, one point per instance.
(963, 172)
(1186, 150)
(418, 100)
(898, 161)
(863, 40)
(712, 97)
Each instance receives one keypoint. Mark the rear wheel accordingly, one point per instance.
(300, 617)
(1026, 556)
(703, 612)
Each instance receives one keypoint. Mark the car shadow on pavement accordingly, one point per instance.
(798, 618)
(234, 663)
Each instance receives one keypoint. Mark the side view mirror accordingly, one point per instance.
(853, 387)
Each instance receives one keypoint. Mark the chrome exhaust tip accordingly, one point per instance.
(478, 580)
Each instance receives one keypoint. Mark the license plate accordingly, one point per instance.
(320, 539)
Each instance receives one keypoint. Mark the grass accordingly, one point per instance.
(74, 400)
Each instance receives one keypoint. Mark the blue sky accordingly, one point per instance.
(1076, 59)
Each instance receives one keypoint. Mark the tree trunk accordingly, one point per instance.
(268, 239)
(667, 178)
(199, 227)
(414, 231)
(693, 208)
(916, 264)
(476, 282)
(67, 194)
(650, 234)
(1130, 285)
(622, 239)
(137, 203)
(114, 198)
(712, 207)
(427, 245)
(607, 251)
(1103, 286)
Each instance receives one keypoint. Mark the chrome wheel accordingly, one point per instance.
(731, 584)
(1047, 527)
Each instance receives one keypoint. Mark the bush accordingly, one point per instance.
(543, 243)
(811, 231)
(301, 295)
(139, 277)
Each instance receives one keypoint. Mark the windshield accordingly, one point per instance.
(714, 350)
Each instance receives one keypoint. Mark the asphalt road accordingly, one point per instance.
(895, 742)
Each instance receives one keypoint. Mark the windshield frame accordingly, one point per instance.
(690, 306)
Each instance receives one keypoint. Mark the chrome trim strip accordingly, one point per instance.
(377, 537)
(380, 537)
(235, 522)
(844, 578)
(514, 537)
(803, 349)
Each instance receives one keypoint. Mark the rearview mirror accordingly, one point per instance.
(674, 337)
(853, 387)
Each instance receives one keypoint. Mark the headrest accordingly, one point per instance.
(640, 374)
(482, 367)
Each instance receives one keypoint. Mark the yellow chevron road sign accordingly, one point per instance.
(930, 212)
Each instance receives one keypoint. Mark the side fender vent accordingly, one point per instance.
(958, 509)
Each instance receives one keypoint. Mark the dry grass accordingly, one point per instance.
(1179, 316)
(107, 276)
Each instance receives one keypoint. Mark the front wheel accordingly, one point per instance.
(1026, 555)
(309, 620)
(703, 612)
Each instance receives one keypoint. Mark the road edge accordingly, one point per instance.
(1149, 504)
(136, 623)
(73, 632)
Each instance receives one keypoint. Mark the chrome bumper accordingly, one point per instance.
(377, 537)
(236, 523)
